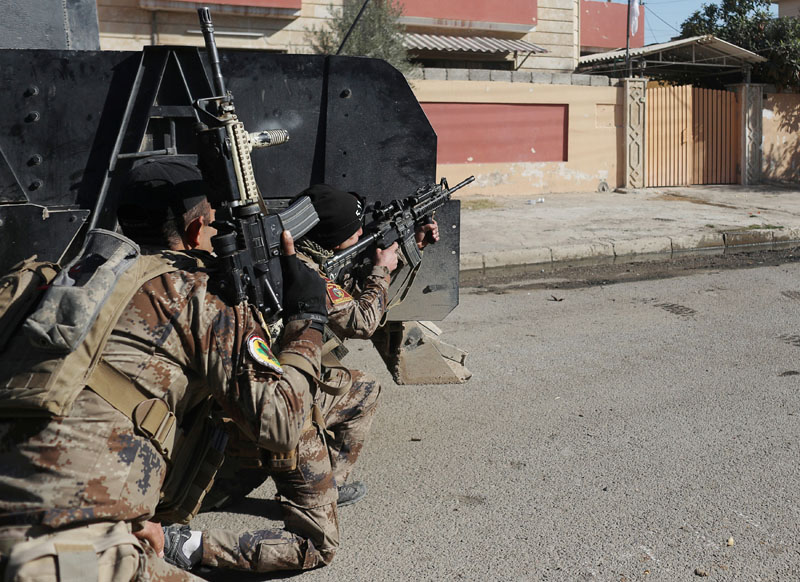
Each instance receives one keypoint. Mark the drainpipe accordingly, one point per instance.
(154, 28)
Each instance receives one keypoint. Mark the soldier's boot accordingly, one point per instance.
(182, 546)
(349, 493)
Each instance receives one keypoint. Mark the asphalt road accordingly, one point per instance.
(644, 430)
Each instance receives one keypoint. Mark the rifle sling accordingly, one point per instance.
(336, 372)
(150, 415)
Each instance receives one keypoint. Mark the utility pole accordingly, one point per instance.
(628, 43)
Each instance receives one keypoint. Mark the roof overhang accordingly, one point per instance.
(468, 44)
(700, 54)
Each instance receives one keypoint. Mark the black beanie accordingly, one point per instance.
(340, 214)
(159, 189)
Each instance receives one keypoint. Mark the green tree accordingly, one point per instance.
(377, 34)
(750, 25)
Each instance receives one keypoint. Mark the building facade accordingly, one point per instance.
(563, 28)
(513, 115)
(787, 7)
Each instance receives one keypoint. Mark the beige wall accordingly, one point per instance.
(780, 144)
(557, 31)
(126, 26)
(595, 138)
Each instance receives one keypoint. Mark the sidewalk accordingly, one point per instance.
(503, 232)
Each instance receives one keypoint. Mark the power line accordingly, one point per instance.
(661, 19)
(650, 26)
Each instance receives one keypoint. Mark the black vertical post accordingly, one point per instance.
(628, 43)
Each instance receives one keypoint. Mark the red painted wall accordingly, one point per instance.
(291, 4)
(605, 24)
(505, 11)
(498, 133)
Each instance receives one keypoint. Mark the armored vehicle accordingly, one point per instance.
(72, 123)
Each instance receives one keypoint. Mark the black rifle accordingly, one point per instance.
(395, 222)
(248, 242)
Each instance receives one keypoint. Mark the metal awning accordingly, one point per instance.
(678, 56)
(468, 44)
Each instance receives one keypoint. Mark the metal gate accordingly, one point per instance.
(692, 136)
(716, 129)
(669, 136)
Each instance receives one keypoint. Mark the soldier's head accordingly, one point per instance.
(340, 216)
(164, 203)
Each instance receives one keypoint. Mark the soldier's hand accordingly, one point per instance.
(287, 241)
(427, 234)
(153, 534)
(387, 257)
(304, 295)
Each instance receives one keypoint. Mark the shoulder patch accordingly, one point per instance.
(336, 294)
(260, 352)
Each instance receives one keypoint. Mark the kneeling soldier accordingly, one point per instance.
(108, 387)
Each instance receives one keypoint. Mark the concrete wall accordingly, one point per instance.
(557, 31)
(788, 7)
(126, 26)
(472, 13)
(780, 145)
(604, 25)
(595, 137)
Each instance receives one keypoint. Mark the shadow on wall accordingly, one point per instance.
(781, 155)
(789, 114)
(781, 164)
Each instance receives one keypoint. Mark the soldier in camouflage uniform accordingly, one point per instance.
(355, 312)
(76, 490)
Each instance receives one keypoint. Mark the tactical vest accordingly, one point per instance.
(56, 352)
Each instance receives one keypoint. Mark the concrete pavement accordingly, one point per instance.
(653, 223)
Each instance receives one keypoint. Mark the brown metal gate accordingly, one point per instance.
(716, 129)
(693, 136)
(669, 127)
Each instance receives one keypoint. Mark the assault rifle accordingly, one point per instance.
(395, 222)
(248, 242)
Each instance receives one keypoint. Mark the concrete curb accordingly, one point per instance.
(607, 252)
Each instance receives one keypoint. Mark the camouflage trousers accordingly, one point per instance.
(101, 552)
(307, 493)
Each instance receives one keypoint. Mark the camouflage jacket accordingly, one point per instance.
(355, 309)
(178, 341)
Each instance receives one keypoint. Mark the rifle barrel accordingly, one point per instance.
(211, 47)
(462, 183)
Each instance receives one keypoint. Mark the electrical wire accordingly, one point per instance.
(650, 26)
(661, 19)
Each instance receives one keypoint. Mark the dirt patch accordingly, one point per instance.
(680, 198)
(478, 204)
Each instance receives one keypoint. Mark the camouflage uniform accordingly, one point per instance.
(89, 472)
(351, 316)
(325, 459)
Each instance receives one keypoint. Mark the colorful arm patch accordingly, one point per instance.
(260, 352)
(336, 294)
